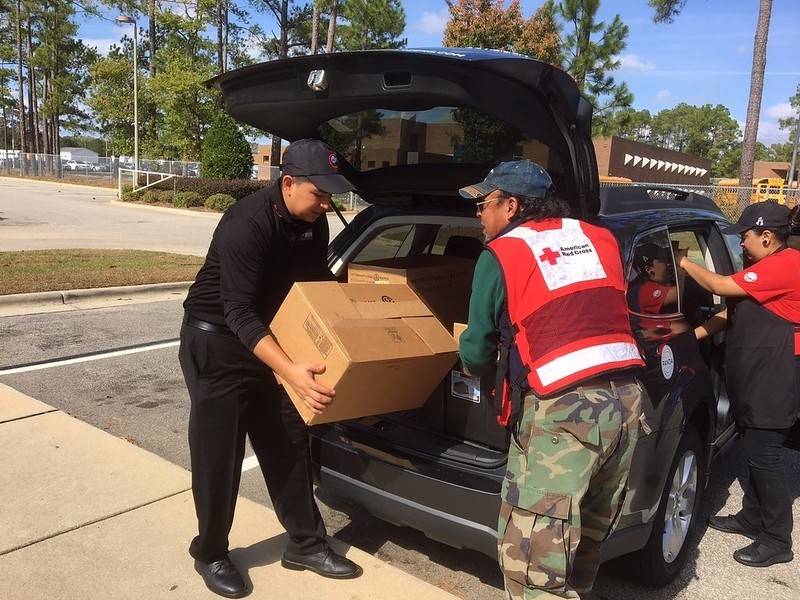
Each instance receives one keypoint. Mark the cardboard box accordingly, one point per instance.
(443, 282)
(382, 347)
(458, 329)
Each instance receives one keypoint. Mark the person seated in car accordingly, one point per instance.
(653, 292)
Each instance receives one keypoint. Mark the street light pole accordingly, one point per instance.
(130, 21)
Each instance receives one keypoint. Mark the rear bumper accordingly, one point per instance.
(436, 524)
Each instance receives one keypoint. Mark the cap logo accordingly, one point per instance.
(333, 161)
(751, 277)
(656, 293)
(760, 221)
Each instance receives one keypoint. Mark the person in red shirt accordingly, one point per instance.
(762, 370)
(653, 292)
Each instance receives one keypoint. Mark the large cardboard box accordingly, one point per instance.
(382, 347)
(443, 282)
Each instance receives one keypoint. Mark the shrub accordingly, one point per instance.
(238, 188)
(129, 196)
(220, 202)
(226, 153)
(165, 196)
(150, 197)
(187, 200)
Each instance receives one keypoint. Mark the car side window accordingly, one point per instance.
(460, 241)
(734, 244)
(697, 304)
(392, 242)
(652, 287)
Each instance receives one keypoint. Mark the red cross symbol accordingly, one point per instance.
(550, 256)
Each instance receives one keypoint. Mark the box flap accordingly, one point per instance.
(392, 301)
(433, 333)
(329, 300)
(371, 340)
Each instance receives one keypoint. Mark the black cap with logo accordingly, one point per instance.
(647, 253)
(762, 215)
(318, 162)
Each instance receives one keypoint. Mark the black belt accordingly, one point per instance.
(209, 327)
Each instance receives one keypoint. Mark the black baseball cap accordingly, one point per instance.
(523, 177)
(647, 253)
(318, 162)
(762, 215)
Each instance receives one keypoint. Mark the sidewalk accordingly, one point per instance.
(87, 515)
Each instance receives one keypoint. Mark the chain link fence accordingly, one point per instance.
(724, 196)
(101, 169)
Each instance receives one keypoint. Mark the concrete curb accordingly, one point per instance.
(184, 211)
(111, 191)
(179, 211)
(19, 304)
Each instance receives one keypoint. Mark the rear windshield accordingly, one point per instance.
(374, 139)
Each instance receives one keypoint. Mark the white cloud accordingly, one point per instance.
(103, 45)
(663, 95)
(770, 133)
(432, 23)
(783, 110)
(632, 62)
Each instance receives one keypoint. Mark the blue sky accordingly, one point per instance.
(703, 57)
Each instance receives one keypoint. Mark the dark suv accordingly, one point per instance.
(415, 126)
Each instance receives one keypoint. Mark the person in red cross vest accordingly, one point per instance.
(762, 368)
(549, 294)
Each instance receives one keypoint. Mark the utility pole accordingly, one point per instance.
(129, 21)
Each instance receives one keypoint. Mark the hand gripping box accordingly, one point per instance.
(382, 348)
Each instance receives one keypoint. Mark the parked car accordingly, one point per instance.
(77, 165)
(415, 126)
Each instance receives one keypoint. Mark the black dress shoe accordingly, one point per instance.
(326, 563)
(760, 555)
(731, 524)
(223, 578)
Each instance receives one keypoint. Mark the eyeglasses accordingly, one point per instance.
(479, 205)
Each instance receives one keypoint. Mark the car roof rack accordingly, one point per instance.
(635, 197)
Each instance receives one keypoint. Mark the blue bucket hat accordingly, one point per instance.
(517, 177)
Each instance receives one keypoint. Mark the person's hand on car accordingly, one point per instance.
(316, 396)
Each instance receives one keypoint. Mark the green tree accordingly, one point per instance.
(630, 124)
(226, 152)
(707, 131)
(371, 24)
(592, 50)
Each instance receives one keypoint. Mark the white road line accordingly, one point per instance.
(251, 462)
(82, 359)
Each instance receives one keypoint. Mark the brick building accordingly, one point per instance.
(618, 157)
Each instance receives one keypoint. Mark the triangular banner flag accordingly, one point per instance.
(645, 163)
(661, 164)
(628, 158)
(636, 160)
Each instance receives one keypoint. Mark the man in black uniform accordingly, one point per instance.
(262, 245)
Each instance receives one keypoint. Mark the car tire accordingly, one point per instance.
(677, 517)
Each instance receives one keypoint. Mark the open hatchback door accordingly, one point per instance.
(419, 124)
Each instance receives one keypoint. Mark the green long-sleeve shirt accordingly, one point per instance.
(478, 344)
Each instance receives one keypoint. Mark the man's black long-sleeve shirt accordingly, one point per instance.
(257, 252)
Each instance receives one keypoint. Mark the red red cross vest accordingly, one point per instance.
(565, 294)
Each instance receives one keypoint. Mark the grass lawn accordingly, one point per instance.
(47, 270)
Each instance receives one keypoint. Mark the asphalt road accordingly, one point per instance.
(39, 215)
(141, 398)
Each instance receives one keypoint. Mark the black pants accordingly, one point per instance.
(766, 506)
(233, 394)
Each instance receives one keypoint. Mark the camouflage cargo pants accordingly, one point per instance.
(568, 467)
